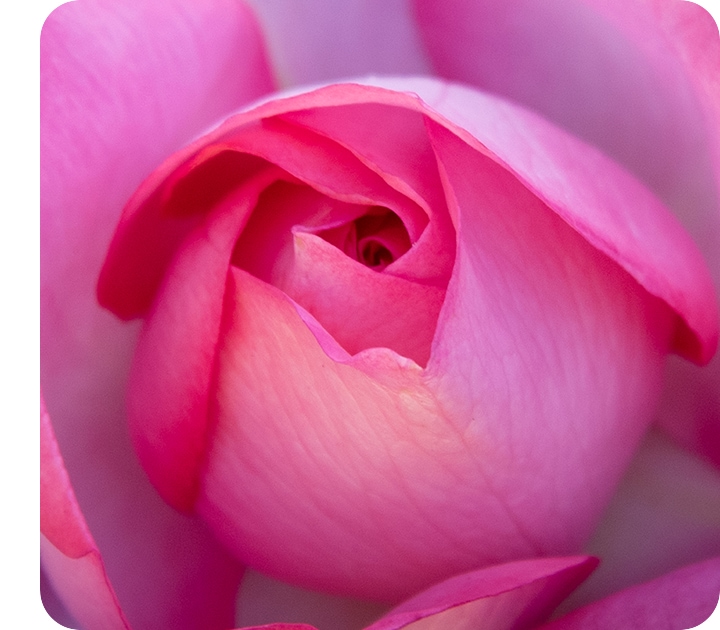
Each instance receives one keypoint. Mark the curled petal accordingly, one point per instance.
(513, 595)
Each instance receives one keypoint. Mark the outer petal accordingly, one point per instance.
(322, 40)
(69, 554)
(514, 595)
(120, 90)
(681, 599)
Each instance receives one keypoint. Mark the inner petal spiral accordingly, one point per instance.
(376, 239)
(334, 259)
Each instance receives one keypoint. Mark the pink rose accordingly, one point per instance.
(394, 329)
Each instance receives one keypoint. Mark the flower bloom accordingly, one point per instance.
(395, 330)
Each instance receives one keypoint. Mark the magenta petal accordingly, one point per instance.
(513, 595)
(69, 555)
(602, 202)
(534, 313)
(169, 385)
(681, 599)
(280, 626)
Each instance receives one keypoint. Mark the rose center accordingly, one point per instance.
(375, 239)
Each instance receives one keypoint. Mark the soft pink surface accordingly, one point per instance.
(427, 470)
(120, 91)
(665, 514)
(681, 599)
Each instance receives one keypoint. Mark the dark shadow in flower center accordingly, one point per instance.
(376, 239)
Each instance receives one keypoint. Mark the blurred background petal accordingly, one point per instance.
(123, 85)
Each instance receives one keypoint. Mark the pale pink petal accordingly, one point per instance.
(123, 85)
(360, 307)
(690, 409)
(534, 350)
(84, 588)
(690, 406)
(69, 555)
(664, 515)
(681, 599)
(323, 40)
(172, 201)
(306, 450)
(402, 156)
(513, 595)
(609, 208)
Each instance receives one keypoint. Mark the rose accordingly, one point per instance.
(424, 403)
(49, 382)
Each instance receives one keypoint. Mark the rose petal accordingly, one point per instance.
(359, 307)
(69, 554)
(264, 600)
(169, 387)
(690, 407)
(528, 298)
(681, 599)
(322, 40)
(513, 595)
(601, 201)
(613, 212)
(119, 92)
(356, 454)
(402, 156)
(564, 227)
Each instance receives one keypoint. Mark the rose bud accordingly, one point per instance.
(393, 333)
